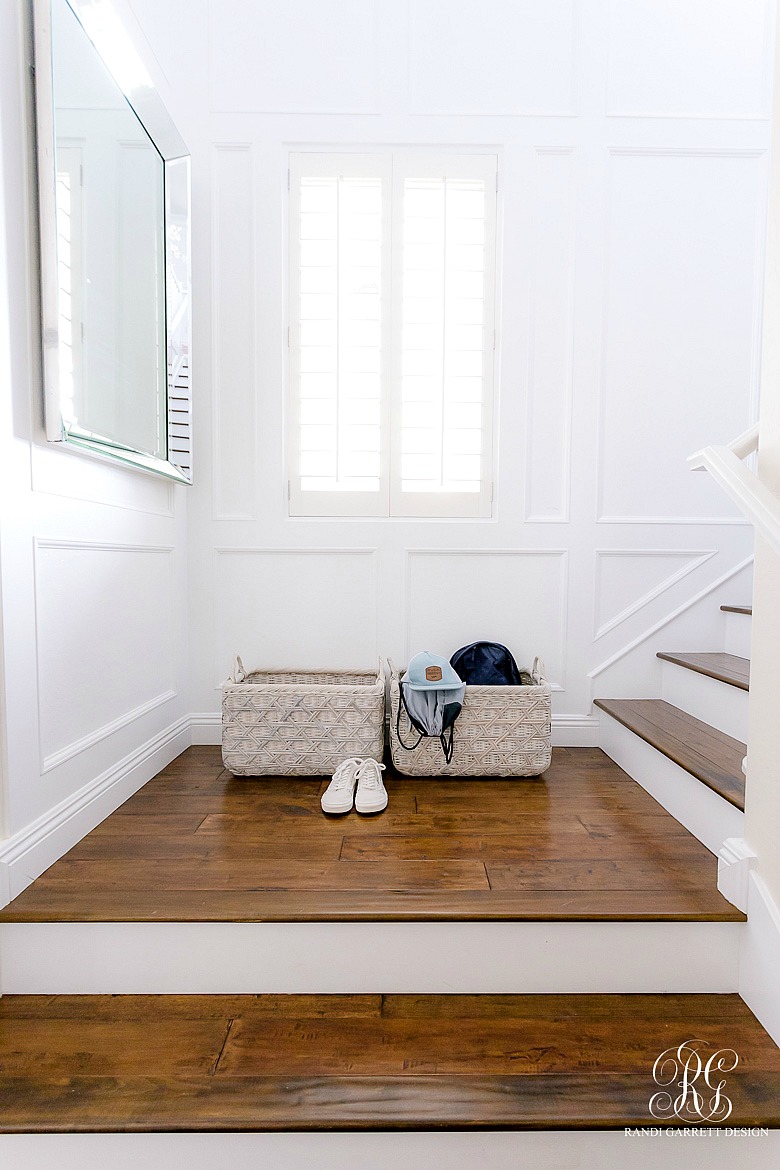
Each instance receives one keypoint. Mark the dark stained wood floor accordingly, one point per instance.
(195, 844)
(301, 1062)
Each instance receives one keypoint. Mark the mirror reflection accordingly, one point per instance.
(110, 251)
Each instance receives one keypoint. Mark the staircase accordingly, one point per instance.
(687, 747)
(211, 1001)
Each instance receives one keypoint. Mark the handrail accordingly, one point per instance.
(754, 498)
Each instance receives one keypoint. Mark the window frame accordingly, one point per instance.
(392, 167)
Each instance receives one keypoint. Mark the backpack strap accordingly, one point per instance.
(412, 721)
(448, 745)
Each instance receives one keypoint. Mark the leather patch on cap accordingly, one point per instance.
(433, 674)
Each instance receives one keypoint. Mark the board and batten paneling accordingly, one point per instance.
(233, 332)
(521, 596)
(105, 629)
(689, 58)
(301, 56)
(548, 427)
(629, 579)
(631, 206)
(680, 341)
(496, 57)
(302, 608)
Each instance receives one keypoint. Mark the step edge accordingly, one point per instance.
(687, 767)
(678, 659)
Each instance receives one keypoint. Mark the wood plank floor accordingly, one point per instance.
(195, 844)
(308, 1062)
(708, 754)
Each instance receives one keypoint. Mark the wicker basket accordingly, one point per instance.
(501, 731)
(300, 722)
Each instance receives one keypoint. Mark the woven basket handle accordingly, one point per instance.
(537, 670)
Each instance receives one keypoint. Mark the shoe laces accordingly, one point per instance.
(370, 774)
(344, 776)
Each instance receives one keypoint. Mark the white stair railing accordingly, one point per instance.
(754, 498)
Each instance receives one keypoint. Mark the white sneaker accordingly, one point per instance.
(371, 793)
(339, 796)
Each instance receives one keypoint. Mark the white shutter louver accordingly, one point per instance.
(443, 325)
(389, 329)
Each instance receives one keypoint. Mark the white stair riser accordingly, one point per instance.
(389, 1150)
(738, 630)
(369, 957)
(717, 703)
(700, 810)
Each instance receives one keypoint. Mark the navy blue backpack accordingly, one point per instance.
(486, 664)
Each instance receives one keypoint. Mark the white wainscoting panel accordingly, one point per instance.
(28, 853)
(495, 57)
(105, 637)
(681, 326)
(520, 597)
(295, 607)
(60, 470)
(689, 58)
(233, 332)
(301, 56)
(628, 579)
(548, 433)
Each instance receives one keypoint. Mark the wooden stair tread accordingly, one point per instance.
(726, 668)
(746, 609)
(705, 752)
(322, 1062)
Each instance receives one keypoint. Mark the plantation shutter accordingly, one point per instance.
(391, 334)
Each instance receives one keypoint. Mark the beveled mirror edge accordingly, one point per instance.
(149, 108)
(47, 218)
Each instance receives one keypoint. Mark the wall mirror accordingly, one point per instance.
(114, 200)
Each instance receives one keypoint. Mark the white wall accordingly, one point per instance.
(632, 142)
(94, 572)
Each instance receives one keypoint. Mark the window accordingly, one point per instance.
(391, 334)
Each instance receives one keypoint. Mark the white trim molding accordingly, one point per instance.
(81, 745)
(759, 961)
(698, 557)
(670, 617)
(736, 860)
(25, 855)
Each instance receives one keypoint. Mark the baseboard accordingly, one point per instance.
(206, 727)
(735, 863)
(759, 963)
(26, 855)
(575, 730)
(567, 730)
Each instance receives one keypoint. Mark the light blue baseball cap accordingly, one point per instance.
(431, 672)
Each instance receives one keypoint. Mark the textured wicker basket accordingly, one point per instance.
(501, 731)
(301, 722)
